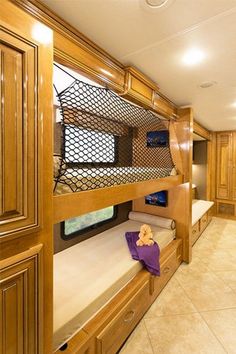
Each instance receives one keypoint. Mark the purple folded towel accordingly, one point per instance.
(147, 255)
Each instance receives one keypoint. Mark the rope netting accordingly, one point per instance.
(106, 140)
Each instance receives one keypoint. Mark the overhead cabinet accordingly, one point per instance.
(139, 88)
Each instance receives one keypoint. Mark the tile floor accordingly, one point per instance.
(196, 312)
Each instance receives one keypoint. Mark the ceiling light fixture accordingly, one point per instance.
(234, 104)
(193, 56)
(158, 3)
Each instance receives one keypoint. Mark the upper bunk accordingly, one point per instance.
(109, 151)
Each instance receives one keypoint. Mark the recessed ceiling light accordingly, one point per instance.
(207, 84)
(158, 3)
(234, 104)
(193, 56)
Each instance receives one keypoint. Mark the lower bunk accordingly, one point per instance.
(100, 293)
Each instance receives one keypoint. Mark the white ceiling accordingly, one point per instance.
(155, 41)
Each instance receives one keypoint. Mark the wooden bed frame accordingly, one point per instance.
(107, 331)
(87, 201)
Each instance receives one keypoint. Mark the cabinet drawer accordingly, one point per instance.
(203, 222)
(195, 232)
(115, 333)
(167, 270)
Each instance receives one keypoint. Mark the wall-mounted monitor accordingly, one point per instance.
(157, 199)
(158, 138)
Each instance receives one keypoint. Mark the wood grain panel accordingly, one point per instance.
(224, 165)
(164, 107)
(200, 130)
(103, 197)
(11, 163)
(18, 137)
(20, 303)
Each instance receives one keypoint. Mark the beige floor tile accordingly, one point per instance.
(223, 324)
(229, 277)
(138, 342)
(182, 334)
(172, 300)
(196, 266)
(207, 291)
(217, 260)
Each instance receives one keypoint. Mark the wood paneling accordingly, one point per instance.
(200, 130)
(24, 39)
(115, 333)
(177, 209)
(224, 165)
(103, 197)
(21, 303)
(164, 106)
(18, 137)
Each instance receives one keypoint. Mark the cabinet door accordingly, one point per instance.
(224, 165)
(18, 137)
(20, 305)
(22, 55)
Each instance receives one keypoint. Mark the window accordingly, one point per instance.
(88, 146)
(86, 222)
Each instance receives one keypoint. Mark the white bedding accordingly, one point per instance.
(89, 274)
(75, 180)
(199, 208)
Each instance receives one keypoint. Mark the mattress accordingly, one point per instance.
(75, 180)
(199, 208)
(89, 274)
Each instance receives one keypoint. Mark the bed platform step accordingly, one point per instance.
(84, 202)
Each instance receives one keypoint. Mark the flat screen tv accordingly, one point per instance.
(157, 199)
(159, 138)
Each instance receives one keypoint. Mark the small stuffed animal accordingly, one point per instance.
(145, 236)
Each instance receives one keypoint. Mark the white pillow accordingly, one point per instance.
(152, 220)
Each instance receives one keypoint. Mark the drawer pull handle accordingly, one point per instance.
(129, 316)
(166, 270)
(194, 231)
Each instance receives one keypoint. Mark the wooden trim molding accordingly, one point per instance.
(200, 130)
(76, 51)
(44, 14)
(103, 197)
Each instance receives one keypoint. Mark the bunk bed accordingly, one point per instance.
(83, 281)
(106, 156)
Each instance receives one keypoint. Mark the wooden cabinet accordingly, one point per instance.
(26, 58)
(138, 88)
(195, 232)
(21, 303)
(18, 138)
(114, 334)
(224, 168)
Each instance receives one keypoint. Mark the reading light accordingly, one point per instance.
(193, 56)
